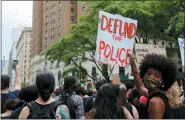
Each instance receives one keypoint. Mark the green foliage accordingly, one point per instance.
(156, 20)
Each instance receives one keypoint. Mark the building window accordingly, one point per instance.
(46, 17)
(72, 18)
(170, 45)
(51, 38)
(45, 47)
(162, 43)
(46, 25)
(46, 9)
(72, 2)
(46, 32)
(59, 21)
(53, 29)
(25, 61)
(46, 39)
(60, 4)
(72, 10)
(45, 62)
(59, 27)
(60, 12)
(24, 66)
(53, 21)
(155, 42)
(83, 9)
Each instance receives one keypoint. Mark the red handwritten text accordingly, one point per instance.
(126, 30)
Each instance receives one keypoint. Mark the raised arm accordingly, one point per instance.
(139, 84)
(18, 79)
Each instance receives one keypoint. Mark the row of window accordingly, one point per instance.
(53, 21)
(52, 30)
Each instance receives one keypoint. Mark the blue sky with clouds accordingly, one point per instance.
(14, 13)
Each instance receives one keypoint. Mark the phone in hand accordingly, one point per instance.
(15, 62)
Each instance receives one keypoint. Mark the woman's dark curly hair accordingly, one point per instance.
(163, 64)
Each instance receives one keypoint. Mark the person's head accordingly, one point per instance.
(129, 85)
(70, 84)
(99, 84)
(28, 93)
(133, 94)
(122, 98)
(158, 72)
(173, 96)
(58, 92)
(12, 104)
(5, 82)
(81, 91)
(106, 104)
(90, 92)
(45, 83)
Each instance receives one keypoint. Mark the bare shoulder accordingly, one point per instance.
(26, 108)
(156, 101)
(24, 113)
(127, 113)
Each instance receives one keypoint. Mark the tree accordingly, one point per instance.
(79, 46)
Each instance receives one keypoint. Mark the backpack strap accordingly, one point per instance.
(32, 105)
(129, 107)
(55, 104)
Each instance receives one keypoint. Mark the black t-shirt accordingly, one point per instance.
(5, 96)
(89, 103)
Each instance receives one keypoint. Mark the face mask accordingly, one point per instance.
(151, 83)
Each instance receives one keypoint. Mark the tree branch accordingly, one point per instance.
(82, 69)
(111, 71)
(96, 64)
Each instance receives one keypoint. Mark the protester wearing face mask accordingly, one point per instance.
(157, 74)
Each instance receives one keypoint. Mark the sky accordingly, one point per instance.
(14, 13)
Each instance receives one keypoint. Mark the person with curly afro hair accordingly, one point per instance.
(156, 75)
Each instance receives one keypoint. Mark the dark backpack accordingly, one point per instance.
(65, 98)
(43, 111)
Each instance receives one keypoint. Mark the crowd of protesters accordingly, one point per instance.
(155, 93)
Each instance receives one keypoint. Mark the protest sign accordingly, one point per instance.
(143, 49)
(116, 79)
(181, 46)
(115, 39)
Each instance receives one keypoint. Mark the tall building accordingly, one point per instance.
(24, 52)
(5, 67)
(51, 21)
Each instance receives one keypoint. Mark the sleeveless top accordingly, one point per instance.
(165, 100)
